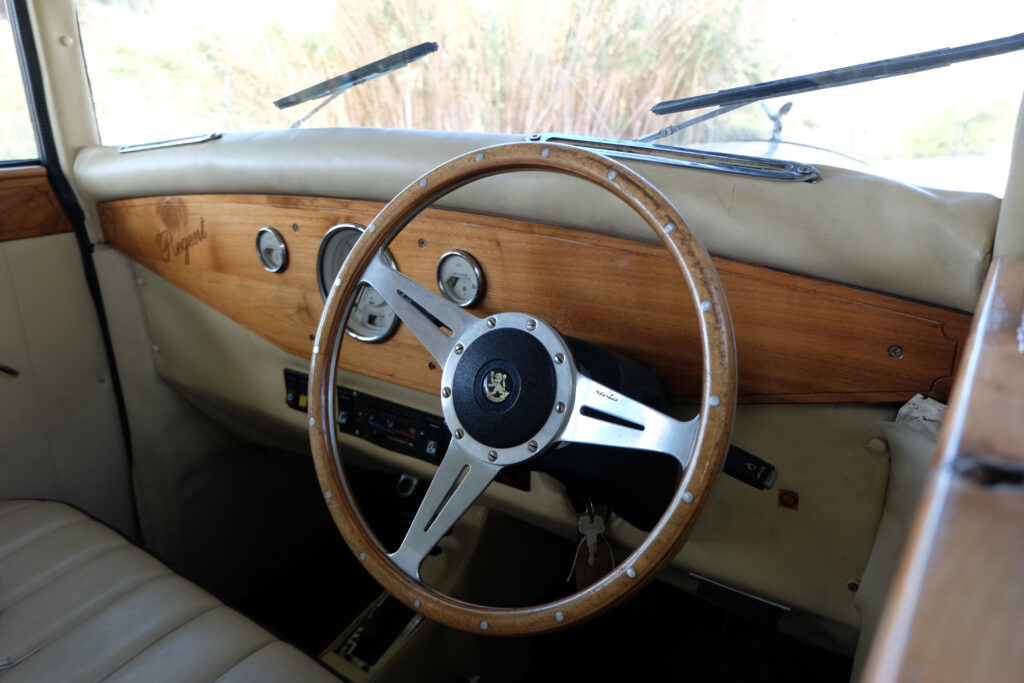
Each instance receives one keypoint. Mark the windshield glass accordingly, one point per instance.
(166, 70)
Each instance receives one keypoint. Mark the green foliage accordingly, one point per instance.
(952, 133)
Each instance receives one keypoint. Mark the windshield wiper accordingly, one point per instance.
(333, 87)
(734, 98)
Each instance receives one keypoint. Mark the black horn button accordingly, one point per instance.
(504, 388)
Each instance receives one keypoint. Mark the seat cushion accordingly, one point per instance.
(80, 603)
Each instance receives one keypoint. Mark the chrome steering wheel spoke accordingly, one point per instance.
(459, 481)
(424, 312)
(603, 417)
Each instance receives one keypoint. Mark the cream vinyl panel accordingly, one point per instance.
(859, 229)
(60, 434)
(1010, 235)
(801, 558)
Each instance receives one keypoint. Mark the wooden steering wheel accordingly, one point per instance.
(510, 390)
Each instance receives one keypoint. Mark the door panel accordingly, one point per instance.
(60, 432)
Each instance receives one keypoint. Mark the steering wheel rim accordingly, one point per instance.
(711, 428)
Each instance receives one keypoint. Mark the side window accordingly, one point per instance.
(17, 139)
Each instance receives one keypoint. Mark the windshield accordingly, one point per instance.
(165, 70)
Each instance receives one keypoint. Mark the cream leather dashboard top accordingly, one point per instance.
(859, 229)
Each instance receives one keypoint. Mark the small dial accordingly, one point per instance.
(272, 250)
(371, 318)
(460, 278)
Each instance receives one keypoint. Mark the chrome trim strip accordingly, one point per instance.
(719, 162)
(176, 142)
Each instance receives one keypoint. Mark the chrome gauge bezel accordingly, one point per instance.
(274, 234)
(478, 273)
(325, 287)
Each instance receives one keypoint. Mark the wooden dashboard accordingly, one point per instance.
(798, 339)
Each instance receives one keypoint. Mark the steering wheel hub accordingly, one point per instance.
(504, 385)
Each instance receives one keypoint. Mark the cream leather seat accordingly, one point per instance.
(80, 603)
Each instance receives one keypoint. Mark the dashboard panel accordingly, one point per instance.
(799, 339)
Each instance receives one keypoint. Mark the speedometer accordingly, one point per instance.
(371, 319)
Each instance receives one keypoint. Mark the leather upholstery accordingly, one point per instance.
(80, 603)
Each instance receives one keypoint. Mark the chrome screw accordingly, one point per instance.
(531, 325)
(532, 446)
(492, 455)
(446, 392)
(491, 322)
(687, 497)
(459, 433)
(559, 407)
(459, 348)
(559, 358)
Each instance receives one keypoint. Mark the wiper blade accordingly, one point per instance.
(339, 84)
(733, 98)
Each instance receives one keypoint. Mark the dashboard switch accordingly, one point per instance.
(750, 469)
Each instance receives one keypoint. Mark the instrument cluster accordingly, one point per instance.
(460, 279)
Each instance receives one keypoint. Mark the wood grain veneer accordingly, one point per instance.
(799, 339)
(955, 611)
(28, 207)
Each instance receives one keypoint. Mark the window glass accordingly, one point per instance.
(17, 138)
(161, 70)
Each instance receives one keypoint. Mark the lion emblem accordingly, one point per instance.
(496, 386)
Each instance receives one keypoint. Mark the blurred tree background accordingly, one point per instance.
(160, 70)
(586, 66)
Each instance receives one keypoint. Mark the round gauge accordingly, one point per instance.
(371, 319)
(272, 250)
(460, 278)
